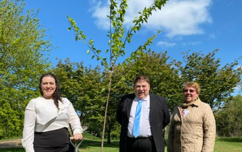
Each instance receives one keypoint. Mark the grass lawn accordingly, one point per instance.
(93, 144)
(228, 145)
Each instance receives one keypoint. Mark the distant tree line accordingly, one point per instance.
(84, 85)
(229, 120)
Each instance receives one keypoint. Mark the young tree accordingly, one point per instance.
(118, 39)
(21, 61)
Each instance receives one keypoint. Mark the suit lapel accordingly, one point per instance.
(152, 104)
(129, 105)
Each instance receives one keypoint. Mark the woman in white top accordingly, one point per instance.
(47, 119)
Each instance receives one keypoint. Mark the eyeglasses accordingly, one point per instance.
(190, 90)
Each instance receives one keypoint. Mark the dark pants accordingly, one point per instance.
(141, 145)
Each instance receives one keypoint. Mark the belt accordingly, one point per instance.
(149, 137)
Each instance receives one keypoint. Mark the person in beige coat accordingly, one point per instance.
(193, 127)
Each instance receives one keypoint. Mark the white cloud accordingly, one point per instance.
(100, 12)
(165, 44)
(191, 43)
(176, 18)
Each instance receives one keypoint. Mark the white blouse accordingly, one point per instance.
(41, 115)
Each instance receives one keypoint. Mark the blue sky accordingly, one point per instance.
(196, 25)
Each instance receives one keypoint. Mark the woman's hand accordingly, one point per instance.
(77, 136)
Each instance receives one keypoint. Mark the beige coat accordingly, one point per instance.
(194, 132)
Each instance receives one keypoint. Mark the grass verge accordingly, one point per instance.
(93, 144)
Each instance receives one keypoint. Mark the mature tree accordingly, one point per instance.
(82, 86)
(217, 82)
(163, 74)
(21, 61)
(118, 39)
(229, 120)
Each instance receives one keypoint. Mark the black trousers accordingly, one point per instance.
(141, 144)
(53, 141)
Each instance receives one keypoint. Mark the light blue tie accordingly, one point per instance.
(136, 127)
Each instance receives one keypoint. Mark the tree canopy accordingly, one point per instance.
(22, 60)
(84, 85)
(217, 82)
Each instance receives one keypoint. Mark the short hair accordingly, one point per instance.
(194, 85)
(141, 77)
(57, 94)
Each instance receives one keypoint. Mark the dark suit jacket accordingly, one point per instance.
(159, 118)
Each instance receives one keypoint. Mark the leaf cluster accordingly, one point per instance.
(21, 62)
(217, 82)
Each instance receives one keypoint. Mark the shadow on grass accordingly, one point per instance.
(85, 144)
(229, 139)
(12, 150)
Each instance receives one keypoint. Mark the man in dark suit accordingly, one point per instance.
(153, 117)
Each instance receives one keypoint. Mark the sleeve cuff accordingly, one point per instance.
(29, 149)
(78, 131)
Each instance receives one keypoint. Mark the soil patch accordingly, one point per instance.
(15, 143)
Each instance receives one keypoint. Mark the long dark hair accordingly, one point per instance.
(57, 94)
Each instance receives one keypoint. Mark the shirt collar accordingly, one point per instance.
(145, 99)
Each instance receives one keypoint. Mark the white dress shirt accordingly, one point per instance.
(145, 130)
(41, 115)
